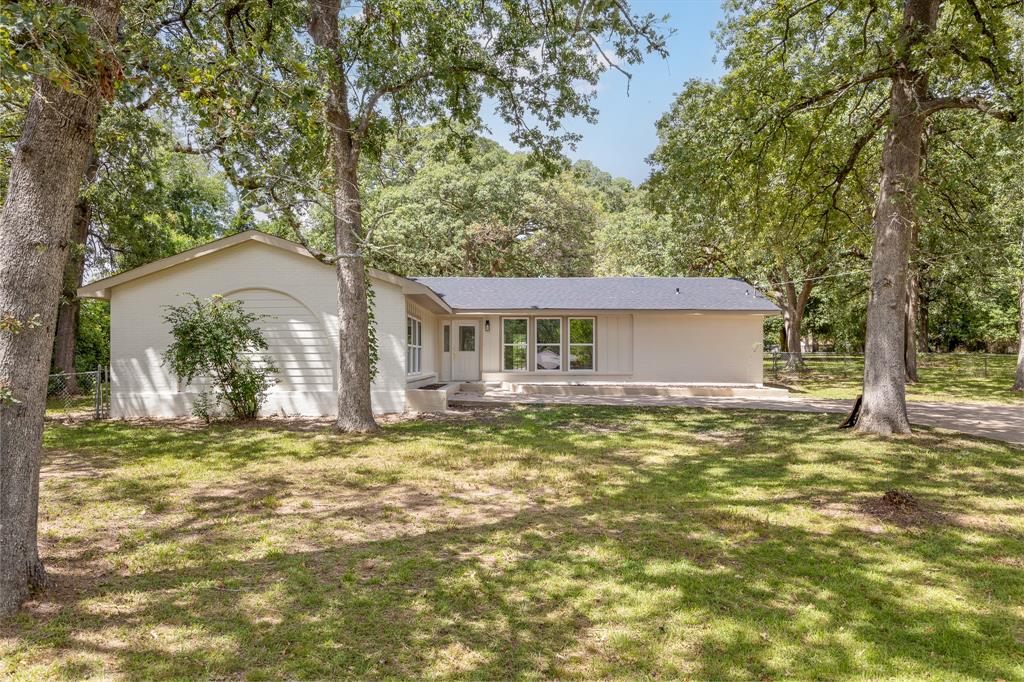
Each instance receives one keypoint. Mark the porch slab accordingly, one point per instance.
(668, 390)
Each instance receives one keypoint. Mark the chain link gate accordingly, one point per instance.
(79, 395)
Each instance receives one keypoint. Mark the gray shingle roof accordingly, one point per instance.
(598, 293)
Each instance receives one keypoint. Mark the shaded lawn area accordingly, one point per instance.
(942, 379)
(569, 541)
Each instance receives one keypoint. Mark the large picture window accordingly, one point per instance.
(514, 344)
(549, 343)
(414, 345)
(581, 343)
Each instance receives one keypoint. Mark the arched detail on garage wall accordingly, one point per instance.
(296, 339)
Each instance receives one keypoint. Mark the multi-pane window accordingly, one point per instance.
(581, 343)
(549, 343)
(513, 344)
(414, 345)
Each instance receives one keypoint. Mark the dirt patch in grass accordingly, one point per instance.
(871, 513)
(904, 509)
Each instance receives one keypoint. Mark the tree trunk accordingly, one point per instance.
(922, 320)
(1018, 384)
(910, 332)
(66, 342)
(884, 409)
(46, 175)
(793, 315)
(355, 412)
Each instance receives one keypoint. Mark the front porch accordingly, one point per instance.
(436, 397)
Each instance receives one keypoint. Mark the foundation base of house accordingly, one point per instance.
(436, 399)
(632, 390)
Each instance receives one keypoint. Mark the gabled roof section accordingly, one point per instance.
(101, 288)
(695, 294)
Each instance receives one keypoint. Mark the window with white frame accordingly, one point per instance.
(514, 344)
(581, 343)
(548, 337)
(414, 345)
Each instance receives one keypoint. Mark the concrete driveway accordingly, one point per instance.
(999, 422)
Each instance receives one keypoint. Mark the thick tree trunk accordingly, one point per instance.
(66, 341)
(884, 409)
(46, 175)
(355, 412)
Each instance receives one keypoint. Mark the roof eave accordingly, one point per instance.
(604, 311)
(101, 288)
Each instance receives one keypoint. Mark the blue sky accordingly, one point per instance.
(624, 134)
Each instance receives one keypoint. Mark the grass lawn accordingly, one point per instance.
(571, 541)
(943, 378)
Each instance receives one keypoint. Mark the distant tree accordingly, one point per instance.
(782, 212)
(638, 242)
(614, 192)
(141, 200)
(478, 210)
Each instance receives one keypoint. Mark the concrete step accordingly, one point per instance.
(626, 389)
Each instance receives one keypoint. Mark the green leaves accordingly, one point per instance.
(477, 211)
(218, 340)
(47, 40)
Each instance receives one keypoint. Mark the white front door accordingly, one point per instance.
(466, 351)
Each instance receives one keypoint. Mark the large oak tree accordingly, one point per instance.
(910, 59)
(298, 95)
(70, 67)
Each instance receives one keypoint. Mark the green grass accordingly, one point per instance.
(943, 378)
(573, 541)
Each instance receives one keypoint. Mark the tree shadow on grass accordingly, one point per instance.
(711, 563)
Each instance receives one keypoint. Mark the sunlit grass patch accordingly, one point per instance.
(573, 541)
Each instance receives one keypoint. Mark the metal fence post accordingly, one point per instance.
(96, 394)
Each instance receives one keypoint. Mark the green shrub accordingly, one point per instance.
(217, 339)
(206, 406)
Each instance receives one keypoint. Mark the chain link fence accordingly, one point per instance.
(78, 395)
(843, 366)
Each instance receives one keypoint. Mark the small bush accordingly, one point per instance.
(218, 339)
(206, 406)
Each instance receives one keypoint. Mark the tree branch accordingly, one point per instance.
(855, 151)
(931, 106)
(293, 222)
(371, 103)
(878, 74)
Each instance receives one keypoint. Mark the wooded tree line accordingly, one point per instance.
(486, 211)
(859, 160)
